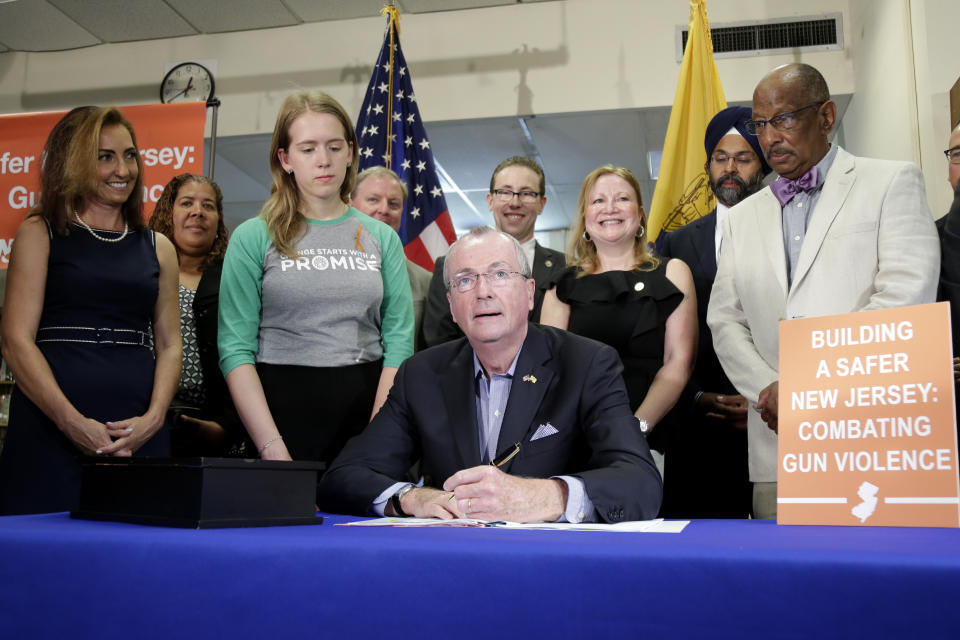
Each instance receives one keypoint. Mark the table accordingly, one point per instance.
(719, 578)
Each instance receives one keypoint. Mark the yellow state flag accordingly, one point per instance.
(683, 191)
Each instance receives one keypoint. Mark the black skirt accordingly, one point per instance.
(317, 409)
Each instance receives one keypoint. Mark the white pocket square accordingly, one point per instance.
(543, 431)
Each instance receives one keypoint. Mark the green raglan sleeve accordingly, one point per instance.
(396, 310)
(240, 287)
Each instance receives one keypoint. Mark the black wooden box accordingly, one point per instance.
(199, 493)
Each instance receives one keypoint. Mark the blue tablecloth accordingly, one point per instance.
(73, 578)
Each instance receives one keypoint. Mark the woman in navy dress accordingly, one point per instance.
(616, 292)
(86, 285)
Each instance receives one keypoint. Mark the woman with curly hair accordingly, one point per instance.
(202, 418)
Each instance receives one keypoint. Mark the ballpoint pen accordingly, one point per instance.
(503, 459)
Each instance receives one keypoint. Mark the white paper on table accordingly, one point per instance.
(658, 525)
(416, 522)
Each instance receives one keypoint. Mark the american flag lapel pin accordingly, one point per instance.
(530, 378)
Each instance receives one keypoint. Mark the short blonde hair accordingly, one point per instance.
(379, 171)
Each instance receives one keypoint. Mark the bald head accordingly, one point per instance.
(806, 81)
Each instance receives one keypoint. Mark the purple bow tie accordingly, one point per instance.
(785, 188)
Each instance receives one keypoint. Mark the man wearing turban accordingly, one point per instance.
(706, 463)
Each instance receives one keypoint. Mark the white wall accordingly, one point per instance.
(934, 25)
(881, 120)
(904, 64)
(549, 57)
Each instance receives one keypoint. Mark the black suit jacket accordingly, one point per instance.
(948, 228)
(438, 324)
(706, 469)
(695, 244)
(569, 381)
(217, 405)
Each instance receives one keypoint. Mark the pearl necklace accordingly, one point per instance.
(94, 233)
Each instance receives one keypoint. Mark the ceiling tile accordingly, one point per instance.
(39, 26)
(216, 16)
(427, 6)
(313, 11)
(126, 20)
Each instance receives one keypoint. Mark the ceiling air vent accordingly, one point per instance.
(766, 37)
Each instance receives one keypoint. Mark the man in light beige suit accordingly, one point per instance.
(834, 233)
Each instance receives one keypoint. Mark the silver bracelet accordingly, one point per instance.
(268, 443)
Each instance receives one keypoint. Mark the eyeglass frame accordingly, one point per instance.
(501, 195)
(950, 151)
(748, 157)
(488, 276)
(754, 130)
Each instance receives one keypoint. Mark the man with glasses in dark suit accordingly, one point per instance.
(514, 422)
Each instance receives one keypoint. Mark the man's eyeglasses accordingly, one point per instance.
(781, 122)
(953, 155)
(499, 278)
(506, 195)
(743, 158)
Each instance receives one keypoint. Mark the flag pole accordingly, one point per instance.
(393, 14)
(682, 193)
(391, 134)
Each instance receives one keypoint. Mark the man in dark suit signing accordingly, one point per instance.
(516, 199)
(513, 422)
(706, 466)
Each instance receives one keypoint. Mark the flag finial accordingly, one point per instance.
(391, 11)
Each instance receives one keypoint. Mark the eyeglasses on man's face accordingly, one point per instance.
(953, 154)
(742, 159)
(781, 122)
(526, 197)
(465, 282)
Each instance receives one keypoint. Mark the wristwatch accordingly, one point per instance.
(395, 500)
(644, 426)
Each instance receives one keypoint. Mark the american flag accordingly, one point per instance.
(391, 134)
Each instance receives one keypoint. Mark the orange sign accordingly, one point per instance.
(170, 137)
(867, 430)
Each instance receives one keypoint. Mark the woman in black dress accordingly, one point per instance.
(87, 283)
(203, 419)
(616, 292)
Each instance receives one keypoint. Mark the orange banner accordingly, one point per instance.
(170, 137)
(867, 429)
